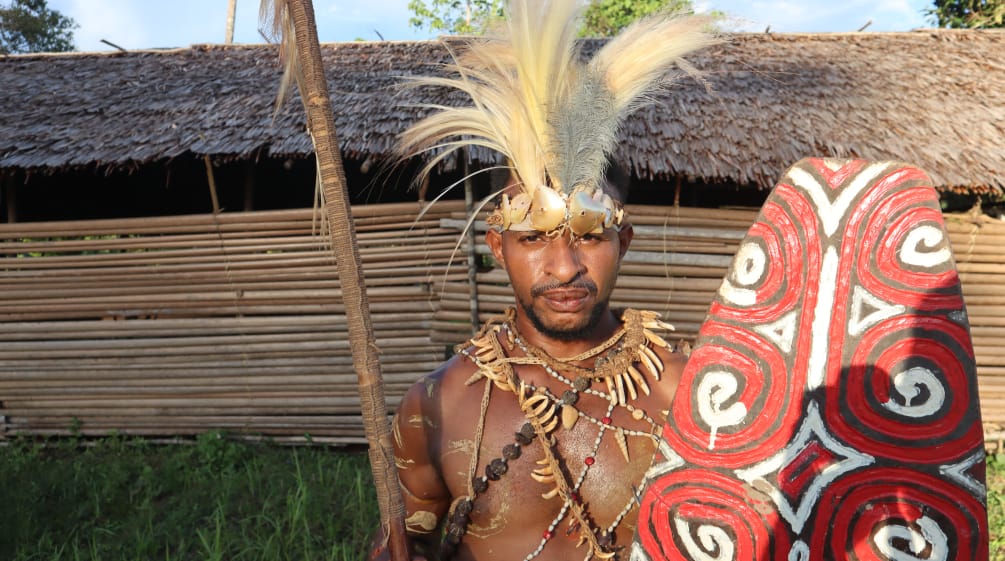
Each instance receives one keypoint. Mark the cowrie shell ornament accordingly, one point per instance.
(586, 214)
(548, 209)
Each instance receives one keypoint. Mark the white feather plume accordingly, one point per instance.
(554, 118)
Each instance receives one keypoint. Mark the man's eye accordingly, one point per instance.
(530, 238)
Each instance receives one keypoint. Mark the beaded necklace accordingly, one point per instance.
(615, 366)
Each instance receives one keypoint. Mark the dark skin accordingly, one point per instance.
(566, 283)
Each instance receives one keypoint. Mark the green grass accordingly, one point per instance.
(996, 505)
(218, 499)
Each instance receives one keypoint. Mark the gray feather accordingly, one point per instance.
(585, 130)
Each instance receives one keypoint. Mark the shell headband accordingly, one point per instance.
(554, 117)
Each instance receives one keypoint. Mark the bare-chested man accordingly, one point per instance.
(555, 478)
(531, 442)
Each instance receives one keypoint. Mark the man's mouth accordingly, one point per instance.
(566, 299)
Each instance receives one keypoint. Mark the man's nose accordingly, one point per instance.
(563, 263)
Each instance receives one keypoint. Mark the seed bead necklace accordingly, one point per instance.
(619, 363)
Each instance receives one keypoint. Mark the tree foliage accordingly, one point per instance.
(968, 13)
(606, 18)
(603, 18)
(29, 26)
(462, 17)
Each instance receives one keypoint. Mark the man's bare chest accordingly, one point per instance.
(526, 486)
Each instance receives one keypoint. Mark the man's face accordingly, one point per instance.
(562, 285)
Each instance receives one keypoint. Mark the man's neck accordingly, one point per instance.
(559, 348)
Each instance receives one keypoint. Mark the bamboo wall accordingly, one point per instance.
(178, 325)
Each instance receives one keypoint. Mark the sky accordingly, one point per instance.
(147, 24)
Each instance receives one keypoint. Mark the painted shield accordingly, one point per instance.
(829, 409)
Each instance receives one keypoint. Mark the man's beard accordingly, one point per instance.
(572, 334)
(559, 334)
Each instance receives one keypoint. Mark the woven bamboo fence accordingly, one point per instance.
(178, 325)
(679, 256)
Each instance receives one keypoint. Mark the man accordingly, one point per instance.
(568, 479)
(531, 441)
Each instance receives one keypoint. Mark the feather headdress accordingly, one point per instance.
(553, 117)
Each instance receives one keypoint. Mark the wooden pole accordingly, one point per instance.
(249, 187)
(321, 124)
(10, 192)
(231, 9)
(212, 184)
(3, 187)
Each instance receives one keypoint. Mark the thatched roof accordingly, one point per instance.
(933, 98)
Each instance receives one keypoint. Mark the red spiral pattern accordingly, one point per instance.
(859, 513)
(857, 393)
(785, 269)
(878, 264)
(757, 365)
(708, 499)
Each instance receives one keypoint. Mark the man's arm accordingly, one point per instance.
(416, 429)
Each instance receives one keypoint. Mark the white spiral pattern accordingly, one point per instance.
(908, 384)
(918, 246)
(927, 535)
(715, 389)
(712, 538)
(748, 269)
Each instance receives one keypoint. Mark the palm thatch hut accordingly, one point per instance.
(233, 320)
(139, 125)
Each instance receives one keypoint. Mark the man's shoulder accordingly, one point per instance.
(447, 379)
(674, 357)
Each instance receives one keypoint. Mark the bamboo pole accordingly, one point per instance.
(321, 124)
(416, 319)
(366, 216)
(236, 376)
(209, 256)
(248, 242)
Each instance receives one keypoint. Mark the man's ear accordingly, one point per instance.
(493, 238)
(625, 236)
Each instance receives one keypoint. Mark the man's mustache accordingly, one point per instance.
(578, 282)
